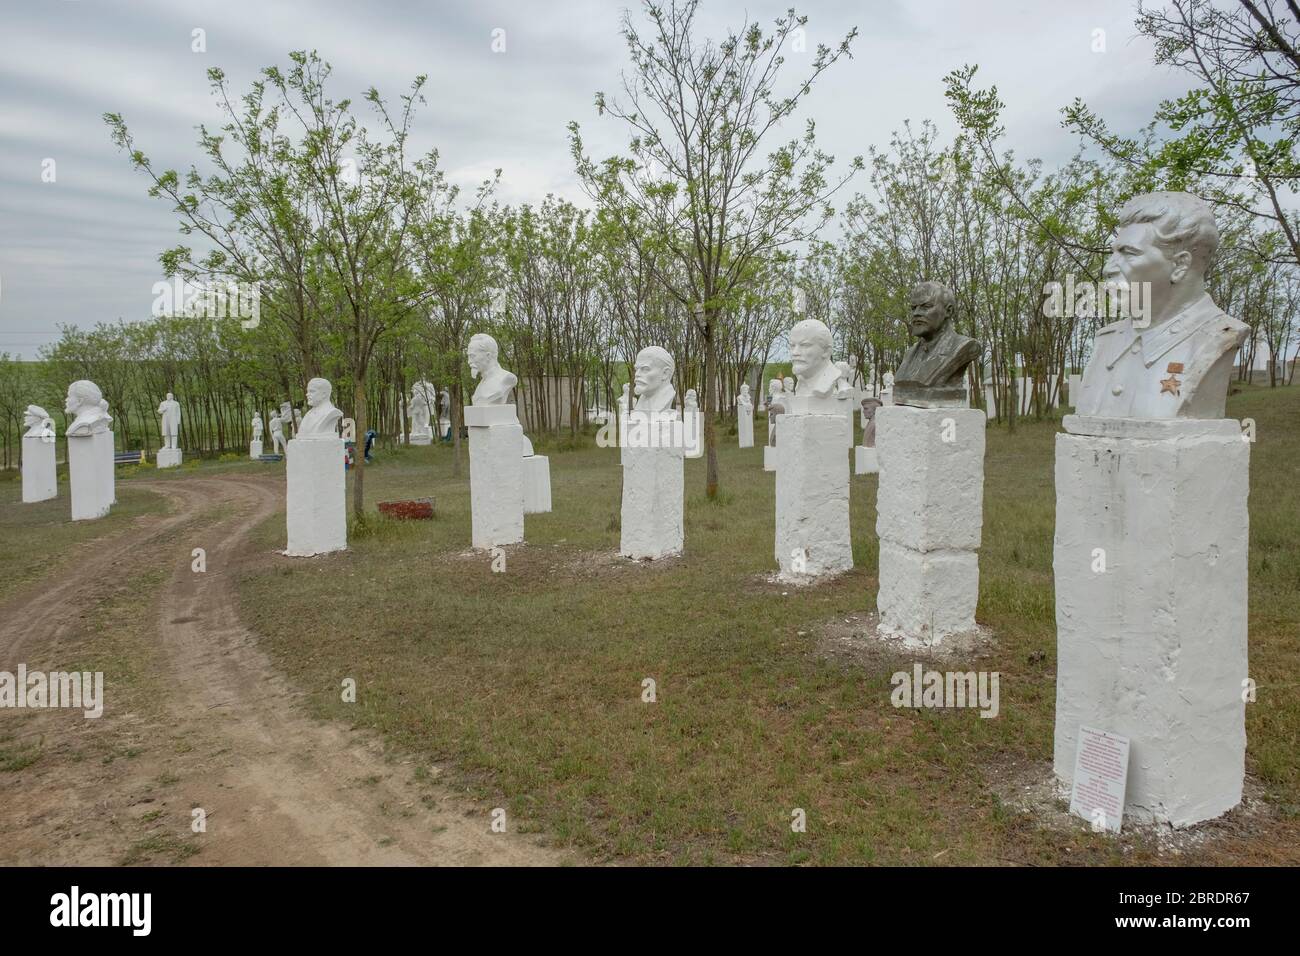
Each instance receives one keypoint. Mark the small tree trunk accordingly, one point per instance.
(710, 401)
(359, 469)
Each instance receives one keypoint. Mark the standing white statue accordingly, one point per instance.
(421, 408)
(169, 455)
(692, 433)
(653, 466)
(255, 446)
(286, 416)
(277, 434)
(170, 410)
(745, 417)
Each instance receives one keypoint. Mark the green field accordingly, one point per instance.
(525, 687)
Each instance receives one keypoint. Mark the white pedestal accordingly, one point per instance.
(693, 432)
(865, 461)
(90, 475)
(422, 437)
(496, 475)
(537, 484)
(654, 482)
(849, 406)
(1154, 647)
(769, 458)
(745, 425)
(254, 450)
(930, 517)
(169, 457)
(40, 474)
(1073, 396)
(316, 505)
(812, 495)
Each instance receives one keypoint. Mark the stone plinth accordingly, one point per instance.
(169, 458)
(422, 437)
(1151, 567)
(316, 507)
(745, 425)
(40, 474)
(537, 484)
(865, 461)
(812, 493)
(930, 517)
(496, 475)
(91, 479)
(769, 458)
(255, 449)
(693, 432)
(653, 487)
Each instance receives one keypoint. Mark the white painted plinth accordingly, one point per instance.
(422, 438)
(255, 450)
(169, 457)
(849, 436)
(40, 475)
(1154, 647)
(745, 425)
(496, 476)
(316, 506)
(769, 458)
(654, 481)
(693, 432)
(929, 518)
(865, 460)
(90, 475)
(812, 496)
(537, 484)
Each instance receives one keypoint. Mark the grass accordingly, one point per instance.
(528, 683)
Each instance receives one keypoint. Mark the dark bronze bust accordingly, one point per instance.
(933, 370)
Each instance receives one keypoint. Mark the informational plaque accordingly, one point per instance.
(1100, 778)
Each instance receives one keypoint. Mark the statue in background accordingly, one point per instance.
(322, 418)
(933, 370)
(170, 410)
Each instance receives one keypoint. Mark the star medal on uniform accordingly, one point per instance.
(1171, 384)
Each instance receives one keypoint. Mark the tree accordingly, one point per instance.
(694, 186)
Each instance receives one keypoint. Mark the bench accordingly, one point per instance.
(128, 457)
(270, 457)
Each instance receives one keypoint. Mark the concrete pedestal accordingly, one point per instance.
(169, 457)
(1153, 647)
(812, 494)
(496, 475)
(849, 405)
(654, 482)
(1073, 396)
(422, 437)
(769, 458)
(865, 461)
(40, 474)
(91, 479)
(537, 484)
(930, 517)
(693, 432)
(745, 425)
(316, 506)
(254, 450)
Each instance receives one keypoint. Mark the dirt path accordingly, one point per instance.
(277, 787)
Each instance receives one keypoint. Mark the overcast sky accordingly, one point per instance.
(84, 248)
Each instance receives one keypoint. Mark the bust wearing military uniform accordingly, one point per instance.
(1179, 365)
(933, 370)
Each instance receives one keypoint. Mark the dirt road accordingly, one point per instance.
(230, 736)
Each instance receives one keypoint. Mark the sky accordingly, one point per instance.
(80, 237)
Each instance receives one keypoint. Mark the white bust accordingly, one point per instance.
(889, 381)
(692, 401)
(653, 382)
(322, 418)
(38, 423)
(743, 399)
(87, 406)
(775, 387)
(257, 426)
(495, 382)
(810, 357)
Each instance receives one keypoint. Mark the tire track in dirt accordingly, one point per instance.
(277, 787)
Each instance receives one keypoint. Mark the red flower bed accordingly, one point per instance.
(419, 509)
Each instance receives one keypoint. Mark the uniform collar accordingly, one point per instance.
(1169, 333)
